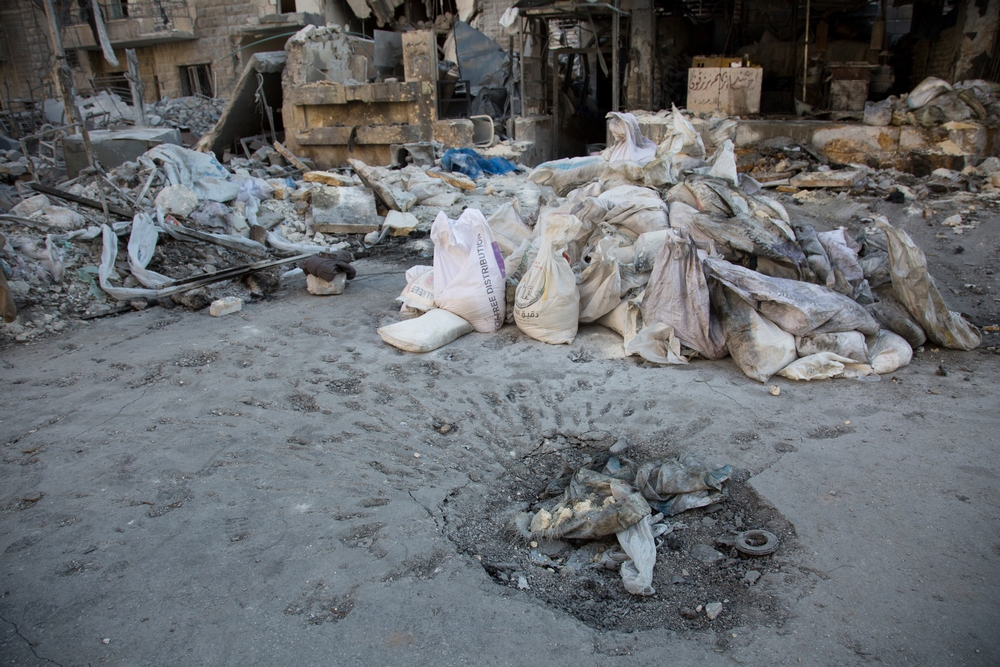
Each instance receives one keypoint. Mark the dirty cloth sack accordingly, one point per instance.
(593, 506)
(847, 271)
(635, 207)
(657, 343)
(326, 265)
(892, 315)
(569, 173)
(758, 346)
(672, 484)
(914, 287)
(629, 142)
(468, 270)
(889, 352)
(547, 301)
(428, 332)
(850, 344)
(600, 283)
(199, 171)
(677, 295)
(797, 307)
(819, 366)
(508, 228)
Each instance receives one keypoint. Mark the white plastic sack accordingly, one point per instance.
(926, 91)
(508, 228)
(637, 572)
(419, 291)
(657, 343)
(847, 271)
(600, 283)
(677, 295)
(626, 319)
(635, 207)
(724, 163)
(428, 332)
(199, 171)
(547, 301)
(629, 142)
(819, 366)
(569, 173)
(468, 270)
(521, 259)
(850, 344)
(889, 352)
(915, 289)
(758, 346)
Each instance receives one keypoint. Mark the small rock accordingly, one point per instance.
(230, 304)
(195, 299)
(33, 496)
(708, 521)
(31, 205)
(321, 287)
(705, 554)
(774, 390)
(619, 446)
(751, 577)
(177, 200)
(712, 610)
(446, 428)
(522, 583)
(689, 613)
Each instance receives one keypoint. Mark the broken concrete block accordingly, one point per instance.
(177, 200)
(13, 169)
(844, 178)
(31, 205)
(320, 287)
(400, 224)
(344, 210)
(454, 179)
(327, 178)
(225, 306)
(394, 198)
(989, 166)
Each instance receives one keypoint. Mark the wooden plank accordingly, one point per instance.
(366, 134)
(288, 155)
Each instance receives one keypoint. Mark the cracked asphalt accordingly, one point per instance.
(269, 488)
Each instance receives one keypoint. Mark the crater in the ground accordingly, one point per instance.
(753, 591)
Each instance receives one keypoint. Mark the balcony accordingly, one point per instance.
(133, 23)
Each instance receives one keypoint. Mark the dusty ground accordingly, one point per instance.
(179, 489)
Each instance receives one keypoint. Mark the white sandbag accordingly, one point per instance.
(847, 271)
(926, 91)
(468, 270)
(629, 142)
(724, 163)
(796, 307)
(600, 283)
(638, 208)
(915, 289)
(850, 344)
(547, 301)
(626, 319)
(430, 331)
(758, 346)
(637, 571)
(677, 295)
(648, 246)
(819, 366)
(569, 173)
(657, 343)
(508, 228)
(419, 291)
(889, 352)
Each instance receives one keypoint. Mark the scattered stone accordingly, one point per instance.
(712, 610)
(30, 206)
(324, 177)
(689, 613)
(705, 554)
(229, 304)
(320, 287)
(844, 178)
(195, 299)
(774, 390)
(177, 200)
(751, 577)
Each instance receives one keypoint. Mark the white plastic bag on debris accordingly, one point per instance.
(677, 295)
(629, 142)
(819, 366)
(199, 171)
(850, 344)
(508, 228)
(428, 332)
(468, 270)
(600, 283)
(547, 301)
(677, 484)
(569, 173)
(796, 307)
(889, 352)
(657, 343)
(926, 91)
(255, 187)
(758, 346)
(637, 571)
(915, 289)
(419, 291)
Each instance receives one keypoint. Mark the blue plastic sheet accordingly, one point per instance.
(474, 165)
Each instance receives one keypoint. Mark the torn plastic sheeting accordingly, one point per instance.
(660, 481)
(141, 246)
(199, 171)
(677, 295)
(593, 506)
(797, 307)
(917, 292)
(480, 59)
(182, 233)
(472, 164)
(630, 143)
(637, 571)
(109, 253)
(926, 91)
(279, 242)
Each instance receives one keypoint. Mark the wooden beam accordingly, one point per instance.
(83, 201)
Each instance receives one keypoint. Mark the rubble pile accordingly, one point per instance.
(197, 114)
(935, 102)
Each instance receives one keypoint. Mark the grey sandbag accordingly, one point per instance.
(847, 272)
(671, 485)
(797, 307)
(749, 235)
(850, 344)
(816, 256)
(593, 506)
(893, 317)
(758, 346)
(916, 291)
(677, 295)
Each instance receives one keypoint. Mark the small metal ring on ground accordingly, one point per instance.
(757, 543)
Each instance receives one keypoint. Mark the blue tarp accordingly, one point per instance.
(474, 165)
